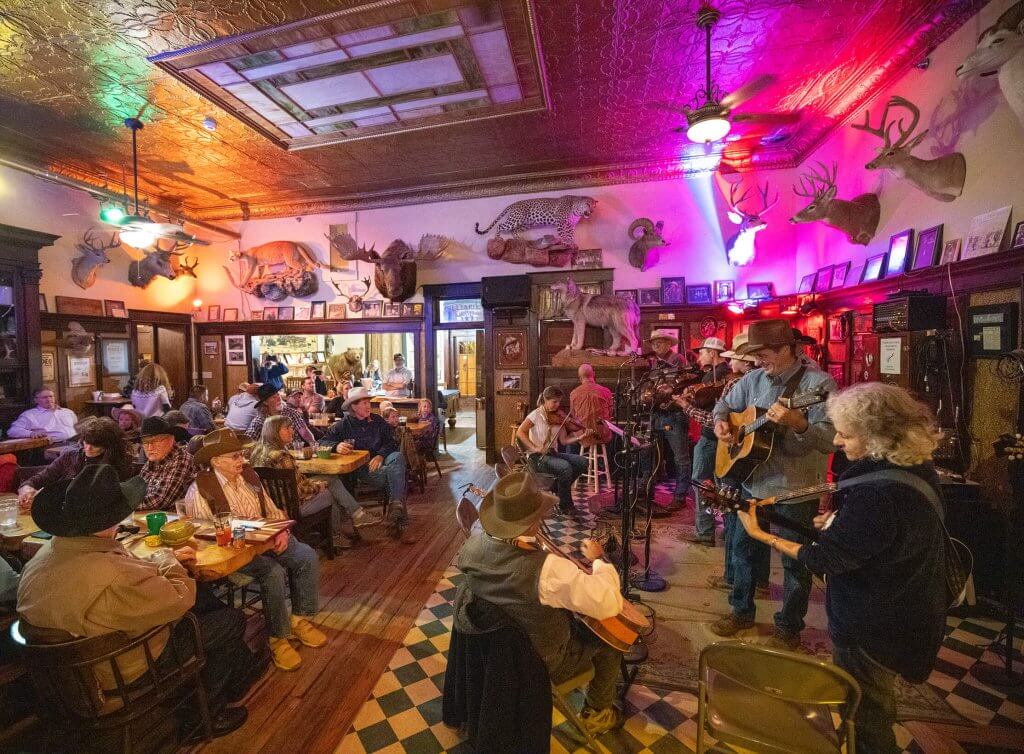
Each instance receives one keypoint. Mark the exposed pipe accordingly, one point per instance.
(108, 195)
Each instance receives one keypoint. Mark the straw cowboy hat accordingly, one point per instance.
(91, 502)
(513, 505)
(714, 344)
(664, 336)
(737, 342)
(768, 333)
(220, 442)
(355, 394)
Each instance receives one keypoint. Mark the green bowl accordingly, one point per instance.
(325, 454)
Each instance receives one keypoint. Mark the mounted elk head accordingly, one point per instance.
(740, 249)
(394, 269)
(94, 256)
(857, 218)
(1001, 51)
(942, 178)
(154, 263)
(355, 301)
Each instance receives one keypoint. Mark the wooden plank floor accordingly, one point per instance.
(370, 597)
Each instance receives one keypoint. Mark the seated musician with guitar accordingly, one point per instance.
(505, 567)
(543, 429)
(883, 552)
(795, 443)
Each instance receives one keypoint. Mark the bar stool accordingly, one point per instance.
(597, 466)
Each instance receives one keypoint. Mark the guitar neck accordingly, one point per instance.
(816, 489)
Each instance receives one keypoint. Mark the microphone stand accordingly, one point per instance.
(647, 580)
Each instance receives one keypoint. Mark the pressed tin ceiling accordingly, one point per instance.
(327, 106)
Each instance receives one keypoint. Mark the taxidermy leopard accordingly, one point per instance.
(562, 213)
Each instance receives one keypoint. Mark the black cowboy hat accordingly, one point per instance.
(264, 392)
(155, 425)
(91, 502)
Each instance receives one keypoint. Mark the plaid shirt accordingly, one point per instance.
(167, 480)
(704, 417)
(302, 432)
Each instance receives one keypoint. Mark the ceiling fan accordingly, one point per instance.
(137, 229)
(710, 116)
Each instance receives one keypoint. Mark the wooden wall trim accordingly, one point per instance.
(310, 327)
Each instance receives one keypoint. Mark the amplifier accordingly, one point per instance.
(908, 313)
(507, 291)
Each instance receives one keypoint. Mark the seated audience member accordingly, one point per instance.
(390, 414)
(82, 583)
(269, 404)
(374, 373)
(334, 405)
(311, 400)
(129, 420)
(101, 442)
(425, 438)
(591, 405)
(317, 376)
(293, 398)
(179, 426)
(168, 470)
(272, 372)
(361, 429)
(151, 395)
(47, 419)
(540, 592)
(196, 409)
(398, 381)
(9, 579)
(242, 407)
(272, 452)
(883, 553)
(233, 487)
(540, 438)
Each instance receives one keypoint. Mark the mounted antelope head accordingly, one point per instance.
(740, 249)
(942, 178)
(94, 256)
(857, 218)
(1001, 50)
(186, 268)
(395, 268)
(355, 302)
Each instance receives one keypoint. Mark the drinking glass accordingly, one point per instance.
(8, 513)
(222, 528)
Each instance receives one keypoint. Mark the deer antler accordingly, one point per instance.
(188, 268)
(811, 190)
(733, 201)
(884, 130)
(176, 248)
(347, 248)
(915, 114)
(96, 245)
(765, 205)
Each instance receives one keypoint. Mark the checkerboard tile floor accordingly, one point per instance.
(403, 712)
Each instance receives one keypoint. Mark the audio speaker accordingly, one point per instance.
(507, 291)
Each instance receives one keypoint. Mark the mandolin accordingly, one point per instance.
(754, 436)
(727, 498)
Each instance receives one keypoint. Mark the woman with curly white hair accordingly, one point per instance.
(882, 553)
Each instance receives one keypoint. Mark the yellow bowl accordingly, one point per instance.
(177, 533)
(153, 540)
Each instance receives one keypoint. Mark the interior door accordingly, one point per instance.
(170, 354)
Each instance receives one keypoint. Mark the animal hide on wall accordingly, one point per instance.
(276, 270)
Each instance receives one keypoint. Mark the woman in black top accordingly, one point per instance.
(882, 553)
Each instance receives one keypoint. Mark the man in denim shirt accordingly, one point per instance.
(799, 458)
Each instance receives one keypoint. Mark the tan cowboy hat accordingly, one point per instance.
(768, 333)
(220, 442)
(355, 394)
(714, 344)
(513, 505)
(738, 342)
(664, 336)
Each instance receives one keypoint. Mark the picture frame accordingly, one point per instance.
(286, 313)
(412, 310)
(673, 291)
(392, 309)
(837, 371)
(48, 360)
(839, 274)
(213, 313)
(760, 291)
(256, 315)
(724, 290)
(836, 328)
(650, 296)
(373, 309)
(231, 314)
(270, 314)
(986, 233)
(234, 350)
(587, 259)
(873, 269)
(511, 381)
(950, 251)
(92, 307)
(114, 356)
(318, 310)
(303, 312)
(698, 295)
(42, 302)
(823, 279)
(929, 243)
(898, 256)
(336, 311)
(510, 347)
(1018, 241)
(211, 348)
(115, 309)
(629, 293)
(80, 371)
(807, 283)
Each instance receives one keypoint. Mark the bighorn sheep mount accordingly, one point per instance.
(942, 178)
(857, 217)
(618, 316)
(94, 256)
(1001, 50)
(643, 254)
(740, 249)
(292, 274)
(395, 268)
(154, 263)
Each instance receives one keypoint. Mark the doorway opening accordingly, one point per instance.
(165, 345)
(459, 371)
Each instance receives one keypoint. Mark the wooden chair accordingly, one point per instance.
(67, 677)
(513, 457)
(443, 435)
(466, 514)
(283, 488)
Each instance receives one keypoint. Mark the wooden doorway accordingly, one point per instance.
(168, 346)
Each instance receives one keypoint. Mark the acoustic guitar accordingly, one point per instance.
(754, 436)
(727, 498)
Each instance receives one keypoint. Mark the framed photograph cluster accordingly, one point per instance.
(234, 350)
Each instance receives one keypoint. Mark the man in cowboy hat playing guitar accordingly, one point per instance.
(540, 591)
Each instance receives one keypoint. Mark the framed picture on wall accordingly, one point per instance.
(49, 362)
(42, 302)
(673, 291)
(629, 293)
(512, 381)
(392, 309)
(510, 345)
(1018, 242)
(927, 252)
(807, 283)
(270, 314)
(335, 311)
(587, 259)
(698, 295)
(303, 312)
(760, 291)
(256, 315)
(318, 310)
(839, 274)
(80, 371)
(872, 268)
(373, 309)
(950, 251)
(115, 309)
(724, 290)
(114, 354)
(900, 245)
(211, 348)
(213, 313)
(234, 350)
(231, 315)
(650, 297)
(823, 279)
(286, 312)
(986, 233)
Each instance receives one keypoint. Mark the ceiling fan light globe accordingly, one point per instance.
(708, 130)
(140, 238)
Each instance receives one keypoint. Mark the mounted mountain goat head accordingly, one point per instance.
(155, 263)
(942, 178)
(94, 256)
(643, 254)
(394, 269)
(857, 218)
(740, 249)
(355, 301)
(1001, 51)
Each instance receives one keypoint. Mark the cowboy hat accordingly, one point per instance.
(714, 344)
(737, 342)
(355, 394)
(116, 412)
(220, 442)
(91, 502)
(664, 336)
(768, 333)
(513, 505)
(153, 426)
(264, 393)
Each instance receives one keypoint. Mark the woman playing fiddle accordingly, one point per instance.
(542, 431)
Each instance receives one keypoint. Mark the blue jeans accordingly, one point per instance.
(390, 476)
(673, 426)
(566, 468)
(343, 505)
(796, 583)
(298, 563)
(762, 567)
(703, 471)
(877, 711)
(748, 557)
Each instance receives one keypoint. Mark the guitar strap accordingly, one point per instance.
(793, 383)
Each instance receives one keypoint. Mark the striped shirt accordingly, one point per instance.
(243, 500)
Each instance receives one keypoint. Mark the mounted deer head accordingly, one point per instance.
(857, 218)
(355, 302)
(94, 256)
(1001, 50)
(186, 268)
(942, 178)
(740, 249)
(154, 263)
(394, 269)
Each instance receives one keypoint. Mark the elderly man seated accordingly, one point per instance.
(361, 429)
(83, 583)
(47, 419)
(233, 487)
(169, 469)
(269, 404)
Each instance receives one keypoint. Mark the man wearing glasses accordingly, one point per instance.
(169, 469)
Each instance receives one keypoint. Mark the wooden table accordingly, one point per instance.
(338, 463)
(104, 406)
(19, 444)
(212, 562)
(11, 539)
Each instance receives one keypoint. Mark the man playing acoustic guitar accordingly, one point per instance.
(799, 458)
